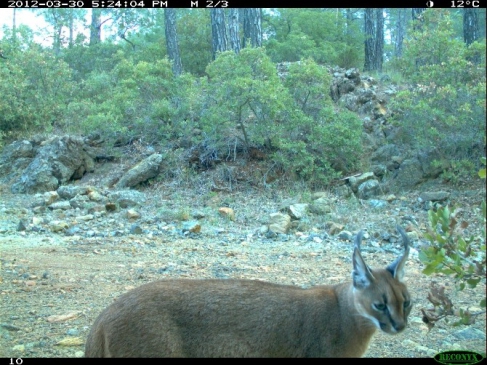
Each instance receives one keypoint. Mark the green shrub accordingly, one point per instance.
(35, 89)
(451, 253)
(445, 107)
(293, 119)
(324, 36)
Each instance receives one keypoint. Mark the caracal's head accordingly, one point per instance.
(380, 295)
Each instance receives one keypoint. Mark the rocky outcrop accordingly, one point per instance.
(54, 162)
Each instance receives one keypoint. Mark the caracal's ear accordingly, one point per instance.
(361, 274)
(397, 267)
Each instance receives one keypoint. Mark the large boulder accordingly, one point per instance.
(143, 171)
(57, 161)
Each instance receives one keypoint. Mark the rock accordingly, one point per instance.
(334, 228)
(68, 192)
(62, 205)
(356, 181)
(110, 207)
(18, 349)
(298, 211)
(434, 196)
(426, 159)
(279, 222)
(426, 350)
(72, 332)
(95, 196)
(379, 170)
(79, 201)
(57, 161)
(14, 159)
(21, 226)
(50, 197)
(390, 198)
(368, 189)
(353, 74)
(343, 191)
(263, 230)
(132, 214)
(10, 327)
(365, 95)
(36, 221)
(384, 154)
(469, 334)
(345, 235)
(143, 171)
(191, 226)
(127, 198)
(407, 176)
(320, 206)
(58, 226)
(227, 212)
(377, 203)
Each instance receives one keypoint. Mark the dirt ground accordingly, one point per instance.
(52, 286)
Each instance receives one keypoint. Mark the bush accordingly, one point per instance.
(35, 89)
(135, 98)
(249, 106)
(445, 108)
(324, 36)
(451, 253)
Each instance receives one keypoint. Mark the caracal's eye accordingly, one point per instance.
(381, 307)
(406, 304)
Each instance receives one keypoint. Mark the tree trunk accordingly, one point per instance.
(417, 17)
(57, 29)
(470, 26)
(233, 30)
(218, 31)
(252, 24)
(14, 26)
(379, 39)
(71, 29)
(399, 32)
(369, 39)
(95, 27)
(471, 30)
(172, 41)
(349, 19)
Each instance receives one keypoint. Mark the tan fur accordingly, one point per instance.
(246, 318)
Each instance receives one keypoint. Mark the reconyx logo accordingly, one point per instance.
(458, 357)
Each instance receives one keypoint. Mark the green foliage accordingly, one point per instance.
(194, 33)
(446, 107)
(309, 85)
(84, 59)
(134, 98)
(317, 34)
(35, 89)
(482, 171)
(245, 92)
(249, 103)
(127, 88)
(452, 254)
(455, 171)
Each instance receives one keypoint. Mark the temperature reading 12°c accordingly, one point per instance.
(465, 3)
